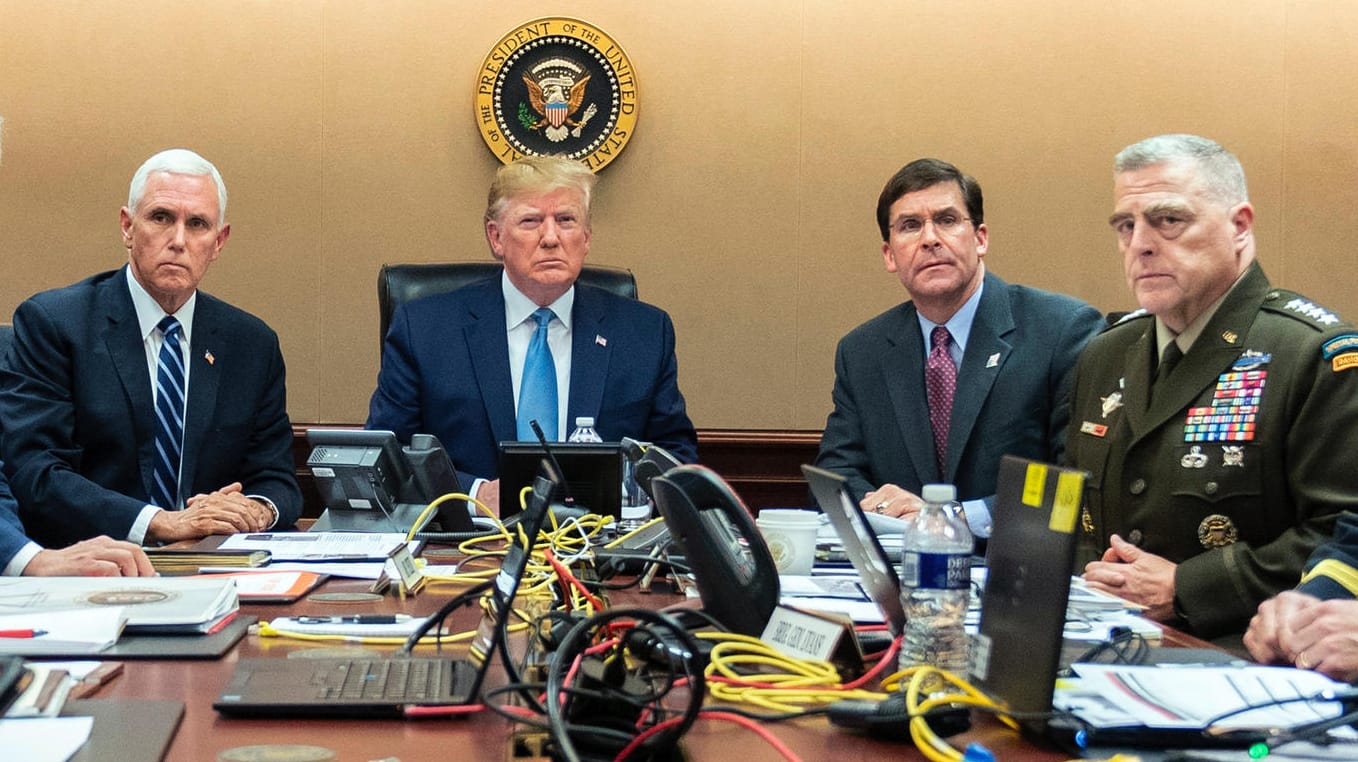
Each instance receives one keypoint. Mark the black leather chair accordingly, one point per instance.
(398, 284)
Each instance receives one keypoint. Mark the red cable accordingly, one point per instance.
(711, 714)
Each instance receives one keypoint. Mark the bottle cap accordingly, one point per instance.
(584, 422)
(938, 493)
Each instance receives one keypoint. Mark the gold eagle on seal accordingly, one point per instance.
(556, 90)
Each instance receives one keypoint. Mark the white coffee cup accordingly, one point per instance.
(791, 537)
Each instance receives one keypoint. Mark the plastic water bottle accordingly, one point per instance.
(584, 431)
(936, 584)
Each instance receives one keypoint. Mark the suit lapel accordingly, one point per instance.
(590, 354)
(987, 350)
(903, 376)
(204, 385)
(123, 341)
(486, 339)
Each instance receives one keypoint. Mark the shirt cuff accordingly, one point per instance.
(471, 507)
(268, 504)
(137, 534)
(978, 517)
(20, 561)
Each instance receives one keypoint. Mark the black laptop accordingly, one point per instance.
(875, 570)
(384, 686)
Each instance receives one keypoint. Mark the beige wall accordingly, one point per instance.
(744, 204)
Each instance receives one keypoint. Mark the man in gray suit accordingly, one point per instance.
(971, 368)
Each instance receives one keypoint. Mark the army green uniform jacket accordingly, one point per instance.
(1238, 466)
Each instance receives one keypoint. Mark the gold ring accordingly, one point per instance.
(1303, 662)
(882, 506)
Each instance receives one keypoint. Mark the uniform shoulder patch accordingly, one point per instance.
(1343, 343)
(1300, 308)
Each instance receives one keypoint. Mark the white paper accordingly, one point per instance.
(321, 546)
(74, 631)
(1176, 696)
(44, 739)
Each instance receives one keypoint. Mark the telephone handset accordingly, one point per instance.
(730, 561)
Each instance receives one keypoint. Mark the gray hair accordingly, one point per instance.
(1219, 169)
(177, 161)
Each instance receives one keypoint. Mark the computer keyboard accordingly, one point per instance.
(397, 680)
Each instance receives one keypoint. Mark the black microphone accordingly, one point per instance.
(547, 450)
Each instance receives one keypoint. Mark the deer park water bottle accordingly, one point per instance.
(584, 431)
(936, 583)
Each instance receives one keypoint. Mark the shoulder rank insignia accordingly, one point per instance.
(1302, 307)
(1130, 316)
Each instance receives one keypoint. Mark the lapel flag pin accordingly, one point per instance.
(601, 341)
(208, 356)
(993, 361)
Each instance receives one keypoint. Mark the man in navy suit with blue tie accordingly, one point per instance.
(138, 407)
(971, 368)
(472, 367)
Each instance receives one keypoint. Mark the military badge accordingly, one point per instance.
(1217, 531)
(1310, 309)
(1111, 402)
(1194, 458)
(1339, 344)
(1233, 455)
(1344, 361)
(1097, 429)
(557, 86)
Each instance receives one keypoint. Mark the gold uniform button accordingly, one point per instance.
(1138, 486)
(1135, 537)
(1210, 488)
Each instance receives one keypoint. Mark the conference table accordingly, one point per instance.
(203, 734)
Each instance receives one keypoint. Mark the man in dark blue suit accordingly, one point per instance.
(453, 365)
(96, 557)
(84, 396)
(1008, 349)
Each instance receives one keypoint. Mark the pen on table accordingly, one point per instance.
(22, 633)
(358, 619)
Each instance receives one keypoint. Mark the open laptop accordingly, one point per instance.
(384, 686)
(875, 570)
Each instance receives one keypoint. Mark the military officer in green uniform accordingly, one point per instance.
(1214, 420)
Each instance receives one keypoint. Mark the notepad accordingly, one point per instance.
(75, 631)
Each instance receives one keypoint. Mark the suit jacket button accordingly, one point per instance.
(1134, 537)
(1138, 486)
(1210, 488)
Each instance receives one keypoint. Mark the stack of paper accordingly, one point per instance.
(158, 605)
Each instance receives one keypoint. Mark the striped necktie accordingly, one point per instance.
(169, 416)
(537, 389)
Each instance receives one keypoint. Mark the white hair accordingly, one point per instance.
(177, 161)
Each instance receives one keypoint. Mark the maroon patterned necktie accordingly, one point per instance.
(940, 380)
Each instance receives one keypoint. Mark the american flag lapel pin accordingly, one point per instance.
(601, 341)
(208, 356)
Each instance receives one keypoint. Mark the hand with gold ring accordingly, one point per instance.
(1271, 638)
(881, 506)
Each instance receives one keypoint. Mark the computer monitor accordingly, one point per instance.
(592, 472)
(370, 483)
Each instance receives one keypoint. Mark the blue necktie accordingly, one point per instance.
(537, 389)
(169, 416)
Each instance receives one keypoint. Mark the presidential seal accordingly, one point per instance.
(557, 86)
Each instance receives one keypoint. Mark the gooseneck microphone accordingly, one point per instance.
(547, 450)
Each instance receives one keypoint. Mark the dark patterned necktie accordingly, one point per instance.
(169, 416)
(940, 379)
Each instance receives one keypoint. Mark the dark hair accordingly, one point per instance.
(926, 173)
